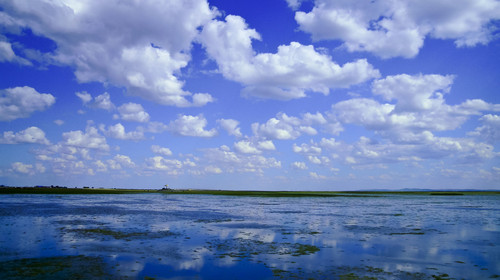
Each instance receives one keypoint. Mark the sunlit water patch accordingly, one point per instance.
(158, 236)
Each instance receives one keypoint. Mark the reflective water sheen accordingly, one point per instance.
(158, 236)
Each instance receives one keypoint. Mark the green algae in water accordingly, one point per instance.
(63, 267)
(351, 273)
(104, 232)
(208, 221)
(244, 248)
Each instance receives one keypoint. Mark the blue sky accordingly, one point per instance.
(268, 95)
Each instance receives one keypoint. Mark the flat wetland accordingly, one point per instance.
(67, 233)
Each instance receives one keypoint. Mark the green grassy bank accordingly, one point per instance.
(62, 190)
(326, 193)
(48, 190)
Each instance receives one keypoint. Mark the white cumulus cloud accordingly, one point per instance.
(8, 54)
(133, 112)
(187, 125)
(30, 135)
(90, 139)
(102, 101)
(138, 45)
(284, 127)
(287, 74)
(419, 106)
(490, 130)
(161, 150)
(229, 161)
(21, 102)
(398, 28)
(231, 126)
(20, 167)
(118, 131)
(299, 165)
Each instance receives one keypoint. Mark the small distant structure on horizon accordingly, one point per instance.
(166, 188)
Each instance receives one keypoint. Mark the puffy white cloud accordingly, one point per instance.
(120, 160)
(231, 126)
(161, 150)
(213, 169)
(90, 139)
(138, 45)
(133, 112)
(329, 144)
(30, 135)
(8, 55)
(398, 28)
(102, 101)
(187, 125)
(21, 102)
(370, 152)
(367, 112)
(118, 131)
(490, 130)
(284, 127)
(6, 52)
(252, 147)
(475, 107)
(306, 149)
(294, 4)
(100, 166)
(316, 176)
(40, 168)
(285, 75)
(299, 165)
(420, 106)
(84, 96)
(267, 145)
(222, 154)
(414, 93)
(20, 167)
(201, 99)
(170, 166)
(246, 147)
(311, 119)
(229, 161)
(314, 159)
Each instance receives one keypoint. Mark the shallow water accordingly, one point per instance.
(214, 237)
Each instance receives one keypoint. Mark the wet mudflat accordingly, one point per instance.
(162, 236)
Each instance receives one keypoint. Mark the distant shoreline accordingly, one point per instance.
(66, 190)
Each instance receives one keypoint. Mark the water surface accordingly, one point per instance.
(161, 236)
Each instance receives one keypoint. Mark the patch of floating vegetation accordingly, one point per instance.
(415, 231)
(62, 267)
(300, 232)
(389, 230)
(209, 221)
(245, 248)
(442, 276)
(354, 273)
(116, 234)
(79, 222)
(248, 225)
